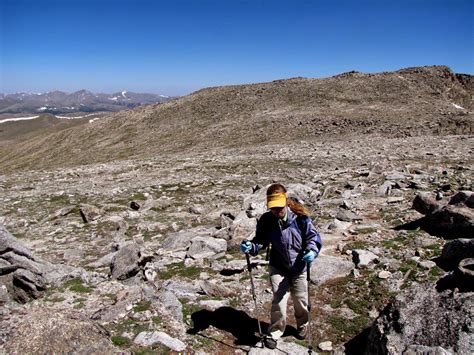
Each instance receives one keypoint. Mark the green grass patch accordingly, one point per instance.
(336, 303)
(188, 310)
(179, 269)
(367, 230)
(142, 306)
(358, 305)
(349, 327)
(359, 244)
(157, 320)
(120, 340)
(395, 243)
(129, 326)
(435, 273)
(77, 285)
(434, 249)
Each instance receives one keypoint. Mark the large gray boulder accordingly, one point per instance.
(26, 276)
(178, 241)
(47, 331)
(425, 203)
(90, 213)
(202, 247)
(422, 316)
(125, 263)
(364, 258)
(326, 267)
(171, 304)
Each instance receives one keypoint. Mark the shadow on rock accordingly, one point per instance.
(425, 224)
(461, 278)
(243, 327)
(354, 346)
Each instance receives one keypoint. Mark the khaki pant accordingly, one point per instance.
(282, 287)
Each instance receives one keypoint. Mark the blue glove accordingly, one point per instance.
(309, 256)
(246, 246)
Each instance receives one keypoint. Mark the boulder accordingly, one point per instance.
(385, 189)
(325, 268)
(242, 228)
(182, 289)
(214, 289)
(425, 203)
(125, 263)
(202, 247)
(364, 258)
(89, 213)
(26, 276)
(178, 241)
(347, 216)
(422, 316)
(47, 331)
(171, 304)
(156, 337)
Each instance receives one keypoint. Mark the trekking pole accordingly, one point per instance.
(308, 281)
(254, 298)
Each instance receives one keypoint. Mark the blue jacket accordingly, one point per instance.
(288, 242)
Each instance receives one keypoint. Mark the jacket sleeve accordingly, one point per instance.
(261, 240)
(313, 238)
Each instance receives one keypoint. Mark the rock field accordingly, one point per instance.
(141, 256)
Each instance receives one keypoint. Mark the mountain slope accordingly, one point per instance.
(413, 101)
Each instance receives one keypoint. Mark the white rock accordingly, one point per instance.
(364, 258)
(151, 338)
(373, 313)
(384, 274)
(325, 346)
(212, 305)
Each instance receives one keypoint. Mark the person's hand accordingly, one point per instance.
(309, 256)
(246, 246)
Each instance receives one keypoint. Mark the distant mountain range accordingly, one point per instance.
(58, 102)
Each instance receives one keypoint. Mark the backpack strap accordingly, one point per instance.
(302, 222)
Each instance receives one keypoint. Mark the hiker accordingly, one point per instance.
(295, 243)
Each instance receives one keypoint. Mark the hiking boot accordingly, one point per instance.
(301, 333)
(269, 342)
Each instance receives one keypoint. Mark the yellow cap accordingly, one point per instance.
(276, 200)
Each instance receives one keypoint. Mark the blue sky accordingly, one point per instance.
(176, 47)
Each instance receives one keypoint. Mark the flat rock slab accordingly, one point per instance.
(152, 338)
(326, 267)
